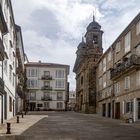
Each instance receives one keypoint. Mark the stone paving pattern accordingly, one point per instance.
(77, 126)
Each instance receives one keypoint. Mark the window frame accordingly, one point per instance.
(60, 73)
(117, 88)
(127, 82)
(118, 47)
(127, 42)
(58, 85)
(138, 78)
(138, 28)
(129, 107)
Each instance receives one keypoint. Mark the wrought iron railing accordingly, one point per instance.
(46, 88)
(46, 77)
(46, 98)
(127, 64)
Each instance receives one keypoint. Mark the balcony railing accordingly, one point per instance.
(45, 98)
(46, 77)
(46, 87)
(1, 85)
(32, 98)
(103, 95)
(128, 64)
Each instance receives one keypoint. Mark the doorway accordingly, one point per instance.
(13, 108)
(139, 110)
(117, 110)
(109, 110)
(103, 110)
(81, 103)
(32, 106)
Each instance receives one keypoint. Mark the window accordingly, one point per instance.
(10, 103)
(47, 83)
(95, 39)
(81, 80)
(31, 83)
(10, 72)
(32, 72)
(127, 42)
(59, 73)
(118, 47)
(127, 82)
(46, 105)
(109, 56)
(59, 105)
(13, 79)
(33, 96)
(104, 80)
(47, 94)
(5, 40)
(138, 50)
(108, 75)
(59, 84)
(11, 22)
(10, 52)
(129, 107)
(59, 95)
(138, 28)
(46, 73)
(138, 78)
(5, 10)
(104, 64)
(100, 81)
(117, 88)
(100, 66)
(109, 91)
(5, 66)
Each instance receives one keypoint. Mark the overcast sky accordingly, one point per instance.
(52, 29)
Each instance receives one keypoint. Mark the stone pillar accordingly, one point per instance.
(123, 107)
(135, 110)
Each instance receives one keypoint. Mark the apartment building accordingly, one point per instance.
(20, 73)
(118, 76)
(11, 56)
(47, 86)
(8, 60)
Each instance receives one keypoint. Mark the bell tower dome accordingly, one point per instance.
(94, 35)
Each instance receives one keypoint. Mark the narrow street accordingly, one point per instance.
(78, 126)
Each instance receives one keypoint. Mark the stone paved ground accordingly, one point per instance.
(78, 126)
(18, 128)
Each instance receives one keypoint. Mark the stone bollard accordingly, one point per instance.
(22, 115)
(8, 128)
(17, 119)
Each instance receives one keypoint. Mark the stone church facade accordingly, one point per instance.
(88, 54)
(109, 83)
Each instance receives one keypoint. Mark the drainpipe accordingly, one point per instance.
(112, 101)
(2, 97)
(3, 89)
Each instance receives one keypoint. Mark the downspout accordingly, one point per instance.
(2, 111)
(112, 100)
(3, 90)
(2, 98)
